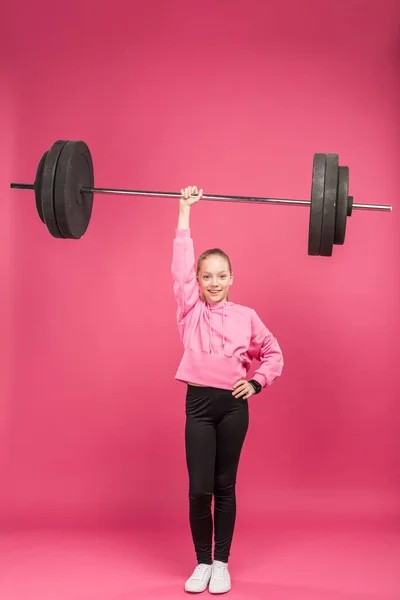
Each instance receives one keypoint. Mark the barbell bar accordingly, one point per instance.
(64, 188)
(218, 198)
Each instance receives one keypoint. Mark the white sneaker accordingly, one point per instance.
(220, 578)
(199, 579)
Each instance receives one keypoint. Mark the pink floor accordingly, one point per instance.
(283, 563)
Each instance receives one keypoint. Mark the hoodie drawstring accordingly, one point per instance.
(223, 328)
(209, 326)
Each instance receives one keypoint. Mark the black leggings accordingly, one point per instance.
(216, 427)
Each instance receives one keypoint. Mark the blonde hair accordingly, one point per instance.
(213, 252)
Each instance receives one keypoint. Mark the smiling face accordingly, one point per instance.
(214, 278)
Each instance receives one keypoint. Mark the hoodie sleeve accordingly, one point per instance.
(265, 348)
(186, 288)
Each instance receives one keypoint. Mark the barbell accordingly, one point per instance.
(64, 188)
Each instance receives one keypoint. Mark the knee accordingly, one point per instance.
(200, 497)
(224, 487)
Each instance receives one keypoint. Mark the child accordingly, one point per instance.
(220, 339)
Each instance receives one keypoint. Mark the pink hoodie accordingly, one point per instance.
(220, 340)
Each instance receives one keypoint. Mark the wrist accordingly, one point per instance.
(257, 386)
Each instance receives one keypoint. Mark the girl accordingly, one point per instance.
(220, 339)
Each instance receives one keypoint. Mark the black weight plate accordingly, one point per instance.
(342, 205)
(350, 206)
(37, 186)
(329, 212)
(48, 182)
(75, 170)
(317, 204)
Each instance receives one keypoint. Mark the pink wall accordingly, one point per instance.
(234, 97)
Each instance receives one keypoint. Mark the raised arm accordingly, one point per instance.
(186, 289)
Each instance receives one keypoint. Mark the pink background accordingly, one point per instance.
(234, 97)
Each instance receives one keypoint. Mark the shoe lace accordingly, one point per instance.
(200, 571)
(219, 572)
